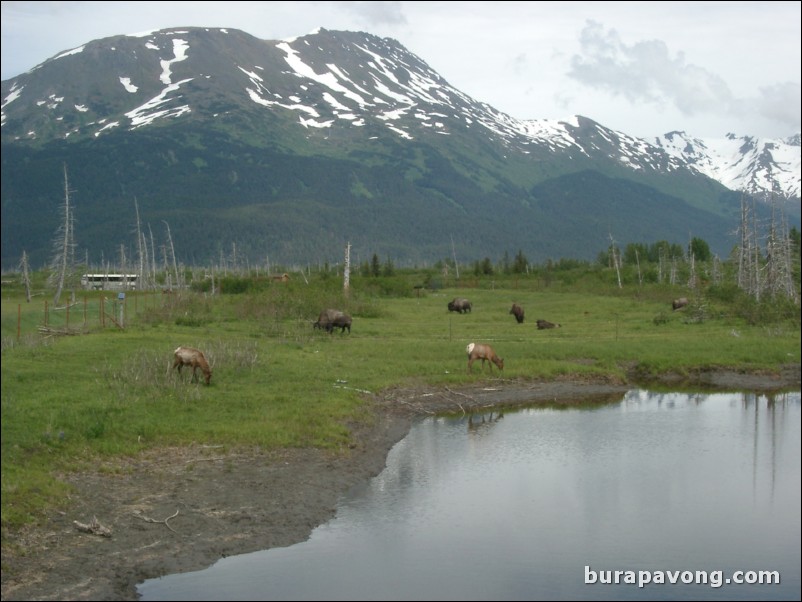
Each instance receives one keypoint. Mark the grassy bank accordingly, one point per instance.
(109, 392)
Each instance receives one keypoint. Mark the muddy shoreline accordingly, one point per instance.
(179, 510)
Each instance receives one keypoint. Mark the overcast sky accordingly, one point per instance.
(643, 68)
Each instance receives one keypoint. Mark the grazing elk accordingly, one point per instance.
(481, 351)
(518, 312)
(459, 305)
(188, 356)
(679, 303)
(544, 324)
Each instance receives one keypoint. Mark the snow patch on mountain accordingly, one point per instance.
(754, 165)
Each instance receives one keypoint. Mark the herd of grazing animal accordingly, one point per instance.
(483, 351)
(329, 319)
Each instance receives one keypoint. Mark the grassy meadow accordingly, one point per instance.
(102, 392)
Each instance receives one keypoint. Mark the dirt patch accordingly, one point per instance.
(177, 510)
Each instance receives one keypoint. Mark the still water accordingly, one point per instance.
(546, 504)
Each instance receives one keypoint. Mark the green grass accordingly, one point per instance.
(70, 401)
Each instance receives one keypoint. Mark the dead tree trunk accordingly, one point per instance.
(63, 244)
(347, 269)
(172, 254)
(26, 278)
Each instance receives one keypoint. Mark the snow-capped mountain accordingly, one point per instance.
(755, 165)
(278, 138)
(390, 87)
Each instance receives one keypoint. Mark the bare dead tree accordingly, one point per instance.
(672, 277)
(662, 258)
(616, 259)
(779, 270)
(64, 254)
(744, 250)
(152, 256)
(454, 253)
(716, 274)
(123, 262)
(787, 273)
(234, 258)
(172, 254)
(142, 252)
(756, 289)
(145, 264)
(347, 269)
(26, 278)
(166, 268)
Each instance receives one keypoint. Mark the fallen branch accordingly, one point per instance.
(458, 393)
(164, 522)
(66, 331)
(414, 407)
(94, 527)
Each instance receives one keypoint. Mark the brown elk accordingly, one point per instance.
(188, 356)
(545, 324)
(518, 312)
(481, 351)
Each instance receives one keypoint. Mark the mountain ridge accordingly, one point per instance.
(345, 101)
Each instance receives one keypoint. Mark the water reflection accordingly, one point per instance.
(516, 505)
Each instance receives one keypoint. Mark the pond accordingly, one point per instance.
(662, 496)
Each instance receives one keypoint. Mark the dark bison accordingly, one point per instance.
(544, 324)
(679, 303)
(342, 322)
(518, 312)
(329, 319)
(459, 305)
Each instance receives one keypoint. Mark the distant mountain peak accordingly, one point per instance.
(762, 167)
(333, 119)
